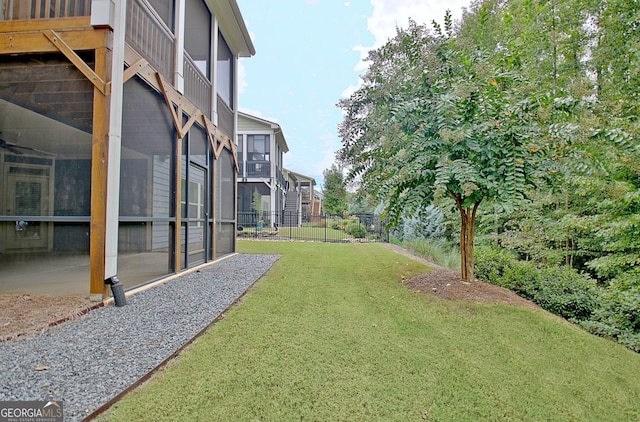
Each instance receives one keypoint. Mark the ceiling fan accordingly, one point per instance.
(17, 149)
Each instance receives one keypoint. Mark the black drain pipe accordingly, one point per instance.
(117, 289)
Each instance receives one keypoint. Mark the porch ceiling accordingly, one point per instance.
(37, 135)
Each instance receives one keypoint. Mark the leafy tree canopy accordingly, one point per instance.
(335, 196)
(437, 119)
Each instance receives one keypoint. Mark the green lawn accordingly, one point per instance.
(330, 334)
(326, 234)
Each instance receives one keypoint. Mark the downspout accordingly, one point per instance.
(117, 20)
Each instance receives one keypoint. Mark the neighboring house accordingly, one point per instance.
(117, 152)
(303, 202)
(261, 181)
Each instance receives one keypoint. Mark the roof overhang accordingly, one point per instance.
(279, 134)
(301, 177)
(233, 27)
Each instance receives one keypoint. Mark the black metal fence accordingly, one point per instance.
(312, 227)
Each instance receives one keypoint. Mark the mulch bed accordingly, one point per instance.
(449, 285)
(22, 315)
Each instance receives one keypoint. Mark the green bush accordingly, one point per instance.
(335, 223)
(565, 292)
(612, 312)
(342, 223)
(618, 316)
(490, 263)
(561, 290)
(357, 230)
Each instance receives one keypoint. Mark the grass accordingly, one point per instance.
(302, 233)
(330, 334)
(437, 251)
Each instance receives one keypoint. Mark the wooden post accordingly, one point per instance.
(214, 199)
(99, 163)
(177, 238)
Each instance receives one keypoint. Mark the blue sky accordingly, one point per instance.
(309, 54)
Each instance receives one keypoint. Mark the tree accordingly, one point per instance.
(435, 118)
(585, 53)
(256, 203)
(424, 224)
(335, 197)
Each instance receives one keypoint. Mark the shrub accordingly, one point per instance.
(334, 223)
(438, 251)
(343, 223)
(561, 290)
(424, 224)
(612, 312)
(618, 315)
(565, 292)
(490, 262)
(357, 230)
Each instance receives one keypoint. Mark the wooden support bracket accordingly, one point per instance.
(211, 134)
(217, 139)
(176, 121)
(220, 147)
(232, 146)
(133, 70)
(58, 42)
(190, 122)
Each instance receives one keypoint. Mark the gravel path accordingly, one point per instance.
(90, 360)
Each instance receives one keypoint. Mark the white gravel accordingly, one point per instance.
(92, 359)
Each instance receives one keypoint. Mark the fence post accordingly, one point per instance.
(324, 218)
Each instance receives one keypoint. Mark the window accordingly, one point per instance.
(164, 9)
(197, 34)
(196, 197)
(240, 148)
(225, 71)
(258, 148)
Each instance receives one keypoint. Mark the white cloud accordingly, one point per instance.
(362, 65)
(388, 15)
(251, 112)
(346, 93)
(327, 156)
(311, 161)
(242, 70)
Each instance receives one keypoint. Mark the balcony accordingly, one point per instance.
(43, 9)
(261, 169)
(281, 179)
(150, 37)
(225, 117)
(196, 87)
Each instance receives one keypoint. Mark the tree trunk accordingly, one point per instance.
(467, 234)
(466, 244)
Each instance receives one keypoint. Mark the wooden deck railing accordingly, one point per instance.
(43, 9)
(196, 87)
(150, 37)
(225, 117)
(258, 169)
